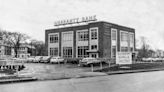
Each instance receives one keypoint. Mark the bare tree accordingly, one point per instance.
(145, 50)
(15, 39)
(39, 47)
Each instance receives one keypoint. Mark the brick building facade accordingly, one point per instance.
(96, 39)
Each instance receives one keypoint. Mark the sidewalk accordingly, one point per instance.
(15, 78)
(134, 71)
(135, 68)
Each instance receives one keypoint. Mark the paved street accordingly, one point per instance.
(135, 82)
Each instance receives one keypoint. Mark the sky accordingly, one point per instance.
(33, 17)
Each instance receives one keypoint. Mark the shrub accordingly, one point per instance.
(73, 60)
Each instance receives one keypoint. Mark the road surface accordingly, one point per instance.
(134, 82)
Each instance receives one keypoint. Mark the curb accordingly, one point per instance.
(6, 81)
(134, 71)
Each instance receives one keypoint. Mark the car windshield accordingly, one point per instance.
(46, 57)
(54, 57)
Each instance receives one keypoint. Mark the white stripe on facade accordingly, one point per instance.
(113, 42)
(67, 43)
(53, 45)
(80, 43)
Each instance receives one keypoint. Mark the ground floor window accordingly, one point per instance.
(7, 51)
(82, 51)
(94, 55)
(67, 52)
(54, 51)
(124, 49)
(93, 47)
(114, 51)
(131, 49)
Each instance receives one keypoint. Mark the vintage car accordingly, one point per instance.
(57, 60)
(88, 61)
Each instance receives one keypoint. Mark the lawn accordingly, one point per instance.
(137, 66)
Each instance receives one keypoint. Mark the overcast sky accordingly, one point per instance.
(34, 16)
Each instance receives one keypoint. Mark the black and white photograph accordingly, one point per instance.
(81, 46)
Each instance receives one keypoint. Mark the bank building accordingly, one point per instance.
(97, 39)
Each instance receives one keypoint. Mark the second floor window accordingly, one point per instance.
(54, 38)
(83, 36)
(114, 34)
(124, 36)
(67, 36)
(94, 33)
(94, 47)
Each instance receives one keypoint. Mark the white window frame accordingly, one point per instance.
(67, 55)
(84, 30)
(90, 31)
(121, 31)
(77, 51)
(130, 33)
(53, 43)
(77, 40)
(113, 29)
(53, 47)
(72, 43)
(94, 45)
(95, 54)
(53, 34)
(91, 40)
(68, 33)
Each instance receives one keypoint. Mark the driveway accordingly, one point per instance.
(56, 71)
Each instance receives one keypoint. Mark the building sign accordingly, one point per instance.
(124, 58)
(75, 20)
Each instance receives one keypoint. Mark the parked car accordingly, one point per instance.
(15, 58)
(31, 59)
(37, 59)
(88, 61)
(45, 59)
(57, 60)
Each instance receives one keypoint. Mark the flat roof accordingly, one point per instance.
(85, 24)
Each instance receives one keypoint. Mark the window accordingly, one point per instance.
(67, 52)
(93, 47)
(82, 51)
(54, 51)
(94, 33)
(131, 49)
(94, 55)
(124, 36)
(113, 52)
(54, 38)
(83, 36)
(124, 49)
(67, 36)
(1, 38)
(131, 38)
(124, 41)
(114, 42)
(114, 35)
(7, 50)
